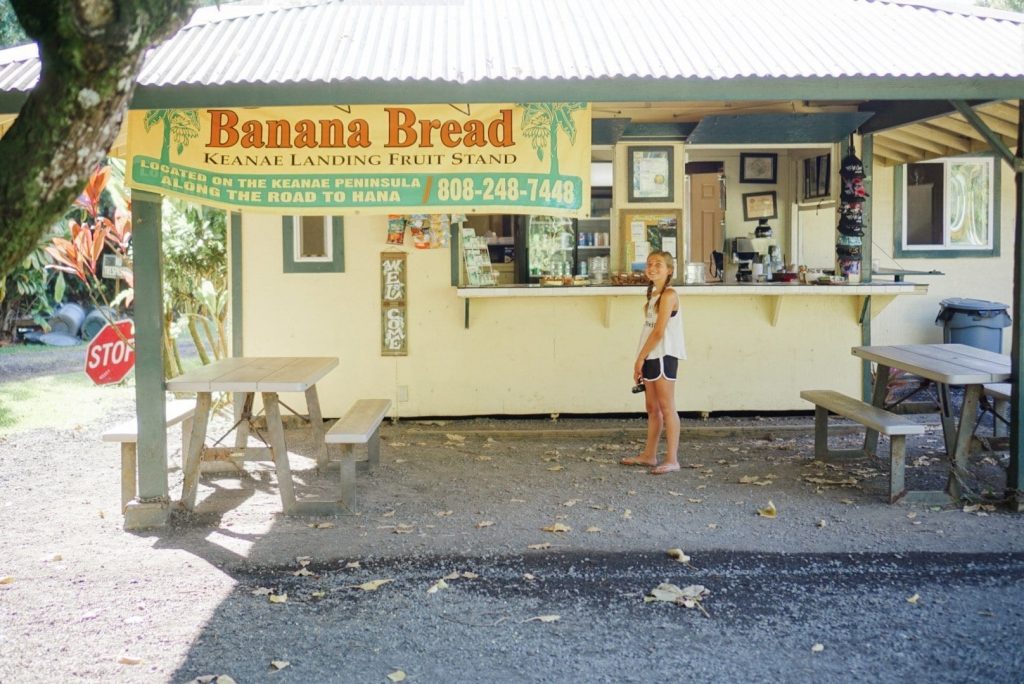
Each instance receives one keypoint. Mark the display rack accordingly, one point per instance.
(477, 259)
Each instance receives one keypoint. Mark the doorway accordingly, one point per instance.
(707, 211)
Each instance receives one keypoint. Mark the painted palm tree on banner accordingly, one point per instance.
(542, 122)
(180, 124)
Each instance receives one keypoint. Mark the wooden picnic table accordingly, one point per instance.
(945, 365)
(248, 375)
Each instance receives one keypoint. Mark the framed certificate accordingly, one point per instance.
(650, 174)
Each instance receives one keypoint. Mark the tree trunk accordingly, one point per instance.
(91, 52)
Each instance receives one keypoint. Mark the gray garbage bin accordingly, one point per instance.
(973, 321)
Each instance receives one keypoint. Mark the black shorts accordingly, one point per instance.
(666, 367)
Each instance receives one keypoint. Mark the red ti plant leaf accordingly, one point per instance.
(90, 197)
(68, 258)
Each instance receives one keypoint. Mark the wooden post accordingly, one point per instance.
(1015, 473)
(153, 506)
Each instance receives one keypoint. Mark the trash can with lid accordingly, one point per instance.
(973, 321)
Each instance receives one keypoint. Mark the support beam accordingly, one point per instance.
(908, 152)
(914, 140)
(1002, 111)
(1015, 473)
(882, 151)
(1015, 162)
(153, 505)
(933, 132)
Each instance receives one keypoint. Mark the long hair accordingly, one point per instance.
(670, 264)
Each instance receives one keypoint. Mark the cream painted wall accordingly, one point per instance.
(527, 355)
(912, 319)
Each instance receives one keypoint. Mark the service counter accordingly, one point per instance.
(773, 294)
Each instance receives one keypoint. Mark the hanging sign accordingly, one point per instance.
(394, 325)
(361, 159)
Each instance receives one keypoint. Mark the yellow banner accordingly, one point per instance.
(501, 158)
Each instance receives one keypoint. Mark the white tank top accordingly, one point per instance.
(672, 342)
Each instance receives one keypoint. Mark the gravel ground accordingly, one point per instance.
(86, 601)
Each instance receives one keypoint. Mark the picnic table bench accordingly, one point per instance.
(360, 425)
(127, 433)
(876, 419)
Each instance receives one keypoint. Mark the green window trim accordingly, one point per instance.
(335, 265)
(899, 181)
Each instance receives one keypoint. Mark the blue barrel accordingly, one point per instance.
(974, 322)
(95, 321)
(67, 319)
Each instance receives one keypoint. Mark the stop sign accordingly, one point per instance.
(111, 354)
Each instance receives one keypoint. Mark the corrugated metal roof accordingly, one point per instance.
(469, 41)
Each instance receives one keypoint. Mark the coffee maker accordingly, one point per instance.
(744, 254)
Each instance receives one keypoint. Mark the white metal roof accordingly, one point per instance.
(467, 41)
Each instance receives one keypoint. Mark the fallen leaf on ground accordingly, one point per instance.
(7, 579)
(452, 575)
(397, 676)
(321, 525)
(212, 679)
(688, 597)
(372, 585)
(842, 482)
(914, 599)
(318, 594)
(627, 514)
(436, 586)
(470, 575)
(302, 572)
(484, 523)
(695, 501)
(545, 618)
(846, 501)
(556, 468)
(671, 493)
(822, 523)
(484, 458)
(570, 503)
(352, 565)
(530, 577)
(388, 514)
(129, 660)
(276, 665)
(539, 547)
(712, 526)
(971, 508)
(303, 560)
(403, 529)
(54, 558)
(817, 648)
(593, 529)
(911, 515)
(768, 511)
(455, 438)
(677, 554)
(278, 598)
(442, 514)
(262, 591)
(397, 444)
(557, 527)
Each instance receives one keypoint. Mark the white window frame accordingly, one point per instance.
(946, 195)
(297, 242)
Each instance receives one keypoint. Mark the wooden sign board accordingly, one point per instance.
(393, 300)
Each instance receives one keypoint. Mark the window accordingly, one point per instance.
(312, 240)
(948, 208)
(313, 244)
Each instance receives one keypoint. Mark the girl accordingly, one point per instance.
(657, 361)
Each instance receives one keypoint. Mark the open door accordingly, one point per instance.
(707, 213)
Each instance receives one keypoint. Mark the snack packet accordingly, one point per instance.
(396, 229)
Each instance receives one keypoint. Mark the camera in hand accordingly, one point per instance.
(639, 387)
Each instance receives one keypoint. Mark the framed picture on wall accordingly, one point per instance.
(758, 205)
(650, 174)
(756, 167)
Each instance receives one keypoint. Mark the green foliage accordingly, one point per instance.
(11, 33)
(1008, 5)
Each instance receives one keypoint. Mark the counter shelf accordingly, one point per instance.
(878, 294)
